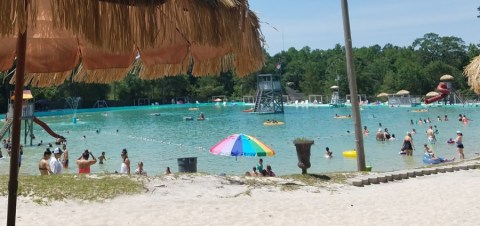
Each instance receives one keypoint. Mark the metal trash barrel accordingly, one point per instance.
(187, 165)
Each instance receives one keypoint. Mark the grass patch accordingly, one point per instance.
(319, 179)
(68, 186)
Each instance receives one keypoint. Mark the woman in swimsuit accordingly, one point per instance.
(43, 165)
(125, 168)
(459, 141)
(408, 144)
(83, 162)
(65, 156)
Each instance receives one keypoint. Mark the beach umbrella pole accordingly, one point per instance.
(353, 88)
(16, 127)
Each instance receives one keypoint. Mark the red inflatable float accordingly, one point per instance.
(442, 88)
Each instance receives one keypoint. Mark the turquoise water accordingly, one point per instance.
(159, 140)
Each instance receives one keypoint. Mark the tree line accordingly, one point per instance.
(390, 68)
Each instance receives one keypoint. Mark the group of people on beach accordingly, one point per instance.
(260, 171)
(55, 164)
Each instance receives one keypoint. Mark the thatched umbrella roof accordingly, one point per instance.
(432, 94)
(472, 71)
(446, 78)
(403, 92)
(383, 95)
(101, 39)
(51, 38)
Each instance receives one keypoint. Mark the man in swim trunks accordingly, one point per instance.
(459, 141)
(102, 158)
(431, 135)
(43, 165)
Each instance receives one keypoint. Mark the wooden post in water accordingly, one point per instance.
(352, 80)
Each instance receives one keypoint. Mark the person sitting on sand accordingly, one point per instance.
(140, 170)
(83, 162)
(167, 171)
(254, 172)
(264, 173)
(270, 173)
(102, 158)
(43, 164)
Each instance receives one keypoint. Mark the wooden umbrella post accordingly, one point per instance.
(353, 88)
(16, 126)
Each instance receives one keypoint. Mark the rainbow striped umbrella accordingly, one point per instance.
(241, 145)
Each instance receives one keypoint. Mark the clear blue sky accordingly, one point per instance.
(318, 23)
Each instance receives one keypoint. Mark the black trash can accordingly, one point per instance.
(187, 165)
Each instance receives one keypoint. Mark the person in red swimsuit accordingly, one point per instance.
(84, 164)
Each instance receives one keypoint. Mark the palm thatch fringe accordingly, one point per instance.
(163, 70)
(472, 71)
(149, 23)
(14, 18)
(102, 76)
(44, 79)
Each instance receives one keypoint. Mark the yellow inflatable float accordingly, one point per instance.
(350, 154)
(273, 123)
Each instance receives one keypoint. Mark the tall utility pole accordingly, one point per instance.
(352, 80)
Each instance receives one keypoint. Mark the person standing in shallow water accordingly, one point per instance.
(459, 142)
(408, 144)
(102, 158)
(125, 167)
(84, 163)
(65, 156)
(43, 164)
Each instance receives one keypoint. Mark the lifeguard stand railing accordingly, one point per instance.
(269, 98)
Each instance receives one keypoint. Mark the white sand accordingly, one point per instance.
(442, 199)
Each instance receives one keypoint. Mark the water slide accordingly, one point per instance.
(444, 92)
(47, 128)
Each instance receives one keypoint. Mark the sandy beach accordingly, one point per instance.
(441, 199)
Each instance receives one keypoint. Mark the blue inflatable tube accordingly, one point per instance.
(427, 159)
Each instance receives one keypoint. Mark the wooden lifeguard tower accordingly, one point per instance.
(28, 109)
(269, 97)
(28, 117)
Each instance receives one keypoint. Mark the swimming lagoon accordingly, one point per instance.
(158, 135)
